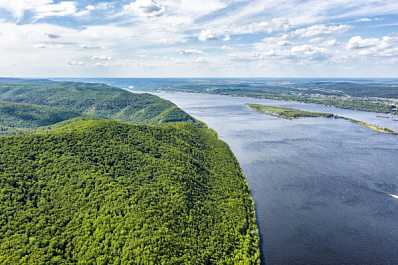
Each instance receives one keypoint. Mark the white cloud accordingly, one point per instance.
(358, 43)
(90, 7)
(278, 41)
(102, 58)
(171, 41)
(283, 43)
(61, 9)
(364, 20)
(18, 7)
(386, 47)
(320, 30)
(206, 35)
(201, 60)
(49, 46)
(323, 42)
(226, 48)
(192, 10)
(275, 25)
(74, 63)
(146, 8)
(89, 47)
(82, 13)
(190, 51)
(227, 37)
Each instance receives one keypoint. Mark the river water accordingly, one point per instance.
(320, 185)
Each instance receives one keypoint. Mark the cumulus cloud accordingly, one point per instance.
(146, 8)
(190, 51)
(358, 43)
(279, 41)
(386, 47)
(320, 30)
(305, 52)
(206, 35)
(102, 58)
(227, 37)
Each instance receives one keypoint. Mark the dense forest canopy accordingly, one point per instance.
(90, 190)
(103, 192)
(18, 117)
(95, 100)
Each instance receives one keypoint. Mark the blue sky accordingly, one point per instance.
(208, 38)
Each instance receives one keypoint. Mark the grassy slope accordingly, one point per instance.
(94, 191)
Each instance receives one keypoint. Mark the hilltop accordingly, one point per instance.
(105, 192)
(83, 184)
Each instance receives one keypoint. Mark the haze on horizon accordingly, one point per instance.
(209, 38)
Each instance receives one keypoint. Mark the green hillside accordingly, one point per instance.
(96, 191)
(17, 117)
(95, 100)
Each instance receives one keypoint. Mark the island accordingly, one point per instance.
(292, 113)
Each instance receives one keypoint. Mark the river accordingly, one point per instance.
(320, 185)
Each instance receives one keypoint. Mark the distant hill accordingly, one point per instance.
(21, 80)
(17, 117)
(94, 191)
(95, 100)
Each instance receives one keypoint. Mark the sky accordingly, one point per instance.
(207, 38)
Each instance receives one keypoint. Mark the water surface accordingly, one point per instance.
(320, 185)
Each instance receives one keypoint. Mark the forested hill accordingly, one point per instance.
(19, 117)
(95, 100)
(94, 191)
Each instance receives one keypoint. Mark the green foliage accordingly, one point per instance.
(96, 100)
(15, 116)
(287, 113)
(92, 191)
(358, 95)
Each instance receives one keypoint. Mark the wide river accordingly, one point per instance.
(321, 186)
